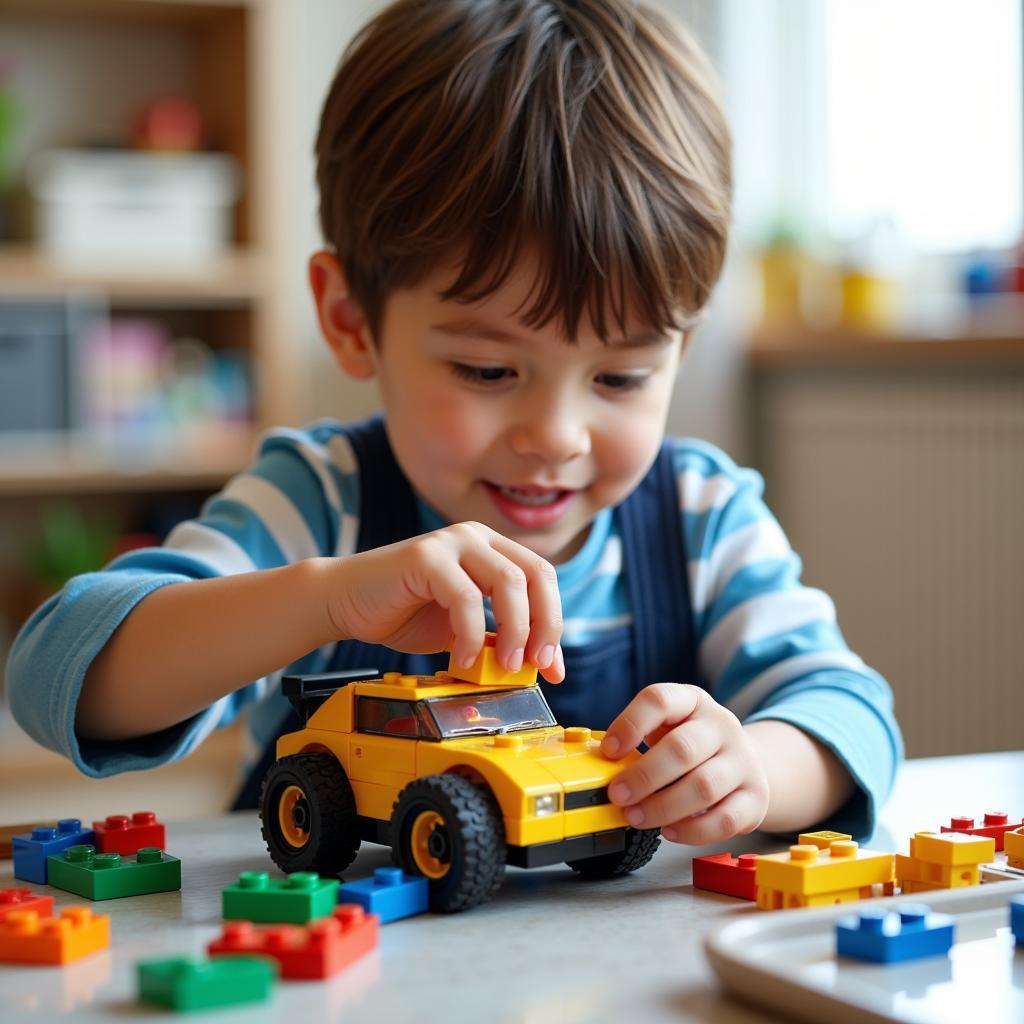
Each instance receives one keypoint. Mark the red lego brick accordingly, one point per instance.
(314, 951)
(731, 876)
(995, 826)
(24, 899)
(124, 835)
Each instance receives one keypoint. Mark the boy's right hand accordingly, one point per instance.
(426, 594)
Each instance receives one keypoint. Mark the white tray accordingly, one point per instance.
(785, 961)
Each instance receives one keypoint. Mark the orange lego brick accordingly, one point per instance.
(487, 671)
(26, 938)
(1014, 846)
(943, 861)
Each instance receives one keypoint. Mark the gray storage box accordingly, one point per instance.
(38, 382)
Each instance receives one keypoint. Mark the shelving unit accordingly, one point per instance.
(219, 53)
(87, 67)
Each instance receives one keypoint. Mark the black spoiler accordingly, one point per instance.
(306, 693)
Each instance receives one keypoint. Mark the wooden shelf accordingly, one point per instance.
(68, 464)
(800, 347)
(163, 11)
(235, 280)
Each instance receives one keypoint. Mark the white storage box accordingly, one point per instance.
(140, 211)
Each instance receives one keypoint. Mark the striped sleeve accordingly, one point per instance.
(299, 500)
(769, 647)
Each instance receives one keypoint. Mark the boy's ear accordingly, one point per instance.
(341, 320)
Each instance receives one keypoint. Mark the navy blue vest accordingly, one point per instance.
(601, 677)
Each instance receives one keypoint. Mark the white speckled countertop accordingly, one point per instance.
(549, 949)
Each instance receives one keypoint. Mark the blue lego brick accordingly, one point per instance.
(883, 937)
(31, 850)
(390, 894)
(1017, 918)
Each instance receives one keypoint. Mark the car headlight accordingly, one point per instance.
(546, 804)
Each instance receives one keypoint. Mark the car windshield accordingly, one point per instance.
(490, 713)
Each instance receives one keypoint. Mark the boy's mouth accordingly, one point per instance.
(529, 506)
(535, 496)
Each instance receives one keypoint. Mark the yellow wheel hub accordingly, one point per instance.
(425, 825)
(290, 831)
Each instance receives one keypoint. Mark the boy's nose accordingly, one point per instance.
(553, 438)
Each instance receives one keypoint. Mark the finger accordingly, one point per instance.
(654, 706)
(704, 787)
(545, 604)
(505, 583)
(680, 751)
(450, 586)
(555, 672)
(736, 815)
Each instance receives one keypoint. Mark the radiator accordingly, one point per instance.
(903, 493)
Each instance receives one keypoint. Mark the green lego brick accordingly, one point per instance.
(187, 984)
(297, 899)
(109, 876)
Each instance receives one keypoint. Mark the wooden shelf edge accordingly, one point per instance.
(232, 280)
(64, 464)
(800, 347)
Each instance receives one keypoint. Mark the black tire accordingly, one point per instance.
(641, 845)
(308, 815)
(454, 824)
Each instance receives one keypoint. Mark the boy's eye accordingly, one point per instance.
(622, 381)
(481, 374)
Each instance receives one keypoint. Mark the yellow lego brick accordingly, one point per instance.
(25, 938)
(486, 670)
(952, 849)
(772, 899)
(822, 840)
(1013, 844)
(807, 871)
(928, 875)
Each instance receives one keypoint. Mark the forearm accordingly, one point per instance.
(806, 781)
(187, 645)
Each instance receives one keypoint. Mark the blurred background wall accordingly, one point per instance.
(865, 347)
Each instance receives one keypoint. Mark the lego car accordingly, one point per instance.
(460, 773)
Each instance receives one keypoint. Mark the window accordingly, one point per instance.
(390, 718)
(851, 114)
(922, 105)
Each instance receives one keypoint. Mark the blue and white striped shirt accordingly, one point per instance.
(768, 647)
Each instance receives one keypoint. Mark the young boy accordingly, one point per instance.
(526, 205)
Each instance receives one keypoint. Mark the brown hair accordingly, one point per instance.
(473, 129)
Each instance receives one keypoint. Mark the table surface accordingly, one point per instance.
(549, 948)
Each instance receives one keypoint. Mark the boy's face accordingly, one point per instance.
(514, 427)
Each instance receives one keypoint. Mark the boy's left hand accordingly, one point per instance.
(701, 781)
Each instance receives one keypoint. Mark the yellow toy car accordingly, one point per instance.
(460, 773)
